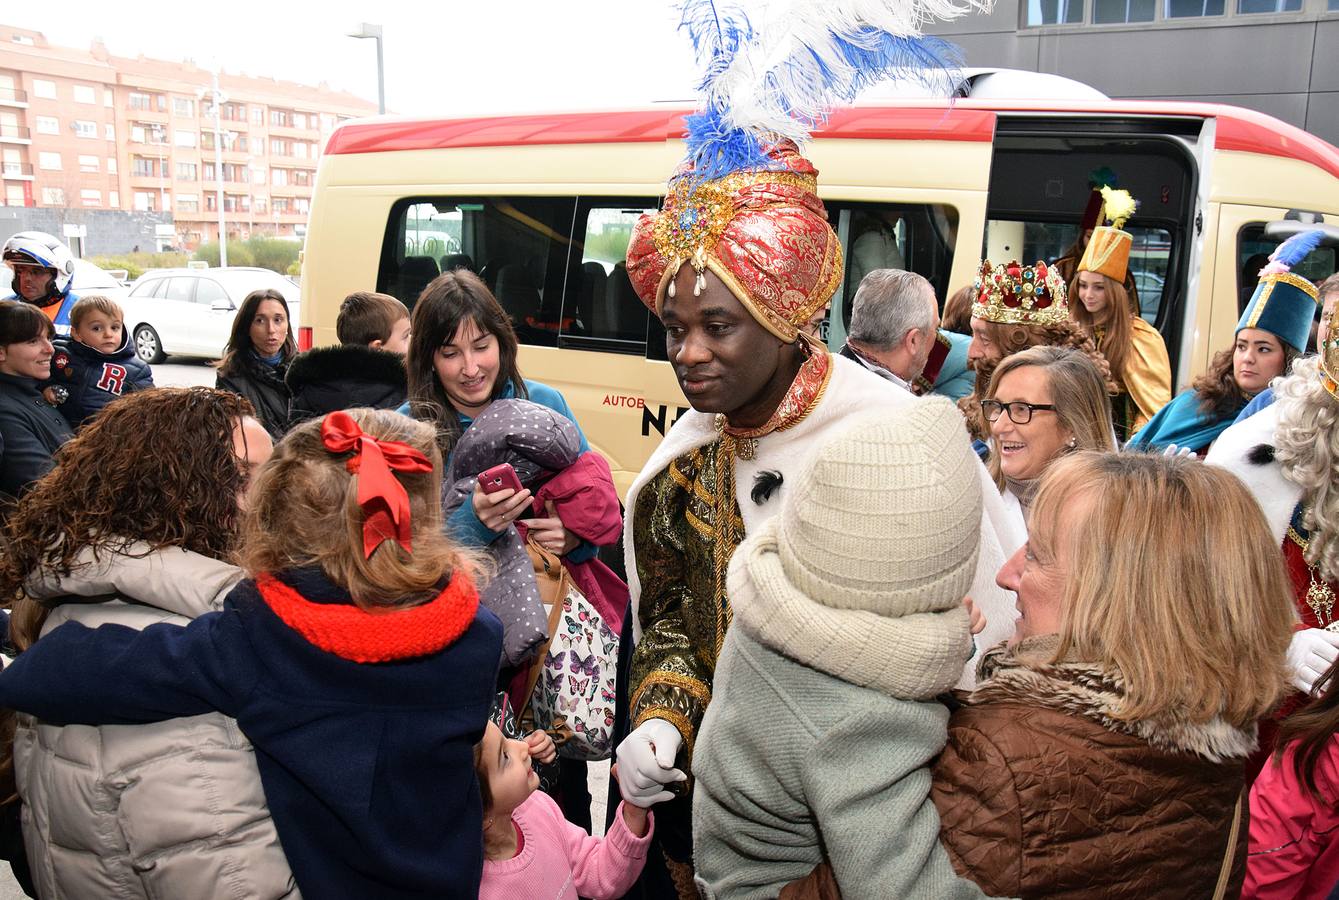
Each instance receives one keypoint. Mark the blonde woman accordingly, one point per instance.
(1041, 404)
(1101, 754)
(1108, 314)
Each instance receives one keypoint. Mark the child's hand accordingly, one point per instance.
(541, 747)
(635, 817)
(51, 397)
(978, 618)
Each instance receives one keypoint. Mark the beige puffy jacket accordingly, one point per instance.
(169, 810)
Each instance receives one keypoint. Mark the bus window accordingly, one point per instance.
(917, 237)
(1253, 249)
(600, 309)
(518, 246)
(1028, 242)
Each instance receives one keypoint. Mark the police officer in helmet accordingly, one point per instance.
(42, 267)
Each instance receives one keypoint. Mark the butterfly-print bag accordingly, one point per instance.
(571, 685)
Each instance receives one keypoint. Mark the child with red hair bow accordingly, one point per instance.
(355, 658)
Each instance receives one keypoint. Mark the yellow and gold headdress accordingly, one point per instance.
(1108, 251)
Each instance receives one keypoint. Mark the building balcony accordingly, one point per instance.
(150, 182)
(139, 114)
(12, 171)
(15, 134)
(13, 97)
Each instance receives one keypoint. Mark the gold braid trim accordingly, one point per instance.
(675, 718)
(685, 683)
(727, 533)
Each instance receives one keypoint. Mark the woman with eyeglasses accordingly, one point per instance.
(1041, 404)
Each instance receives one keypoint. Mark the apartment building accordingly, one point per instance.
(86, 130)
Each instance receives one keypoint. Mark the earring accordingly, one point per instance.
(1073, 443)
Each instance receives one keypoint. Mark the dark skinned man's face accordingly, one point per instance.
(726, 362)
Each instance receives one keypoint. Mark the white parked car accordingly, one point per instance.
(190, 311)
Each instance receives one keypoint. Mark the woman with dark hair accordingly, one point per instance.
(257, 356)
(128, 530)
(462, 357)
(31, 429)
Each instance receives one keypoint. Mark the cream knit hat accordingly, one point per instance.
(888, 517)
(862, 572)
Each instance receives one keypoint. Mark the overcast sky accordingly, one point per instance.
(445, 58)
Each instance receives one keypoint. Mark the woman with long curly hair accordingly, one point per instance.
(132, 531)
(1272, 332)
(1018, 307)
(1107, 313)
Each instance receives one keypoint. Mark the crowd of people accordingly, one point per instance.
(351, 632)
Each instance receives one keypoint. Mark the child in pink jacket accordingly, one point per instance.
(530, 850)
(1294, 832)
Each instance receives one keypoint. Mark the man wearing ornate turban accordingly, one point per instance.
(734, 267)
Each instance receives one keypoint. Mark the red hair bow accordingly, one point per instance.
(384, 501)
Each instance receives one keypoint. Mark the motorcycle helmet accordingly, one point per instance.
(37, 248)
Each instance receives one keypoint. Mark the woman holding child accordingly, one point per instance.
(123, 532)
(31, 429)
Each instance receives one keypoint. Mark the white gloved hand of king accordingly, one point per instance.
(1310, 654)
(646, 763)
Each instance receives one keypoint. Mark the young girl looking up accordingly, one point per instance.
(530, 850)
(354, 657)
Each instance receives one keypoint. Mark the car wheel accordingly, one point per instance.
(148, 347)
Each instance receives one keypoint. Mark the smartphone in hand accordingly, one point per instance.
(499, 478)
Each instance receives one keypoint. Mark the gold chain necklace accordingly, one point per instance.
(1319, 596)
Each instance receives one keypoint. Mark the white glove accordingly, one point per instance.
(1310, 654)
(646, 763)
(1178, 452)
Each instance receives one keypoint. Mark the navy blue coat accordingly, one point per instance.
(368, 767)
(30, 432)
(95, 379)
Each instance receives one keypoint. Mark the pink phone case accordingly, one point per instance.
(498, 478)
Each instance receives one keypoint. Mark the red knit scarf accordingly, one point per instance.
(371, 637)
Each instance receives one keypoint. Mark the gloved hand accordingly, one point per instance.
(646, 763)
(1173, 450)
(1310, 654)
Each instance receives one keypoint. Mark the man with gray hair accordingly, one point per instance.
(893, 324)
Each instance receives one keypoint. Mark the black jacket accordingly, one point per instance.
(31, 430)
(95, 379)
(264, 386)
(344, 377)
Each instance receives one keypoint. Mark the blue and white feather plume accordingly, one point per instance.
(1292, 251)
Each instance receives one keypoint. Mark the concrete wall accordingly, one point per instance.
(1284, 64)
(109, 230)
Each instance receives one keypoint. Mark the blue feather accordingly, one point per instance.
(1295, 249)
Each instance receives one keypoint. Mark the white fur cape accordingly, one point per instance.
(852, 389)
(1277, 496)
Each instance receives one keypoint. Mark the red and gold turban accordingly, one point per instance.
(763, 232)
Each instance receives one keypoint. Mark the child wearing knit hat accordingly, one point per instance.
(848, 622)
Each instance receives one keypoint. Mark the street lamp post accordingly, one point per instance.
(368, 30)
(218, 98)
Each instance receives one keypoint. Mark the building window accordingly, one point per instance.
(188, 203)
(1268, 6)
(299, 120)
(49, 161)
(85, 94)
(88, 164)
(280, 206)
(85, 129)
(53, 196)
(90, 197)
(140, 101)
(211, 202)
(183, 138)
(280, 118)
(303, 205)
(257, 115)
(1055, 12)
(187, 172)
(48, 125)
(146, 201)
(300, 149)
(278, 177)
(44, 89)
(1112, 12)
(261, 202)
(142, 168)
(279, 147)
(109, 131)
(107, 97)
(111, 165)
(114, 199)
(303, 177)
(183, 106)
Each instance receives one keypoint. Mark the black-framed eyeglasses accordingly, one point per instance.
(1020, 413)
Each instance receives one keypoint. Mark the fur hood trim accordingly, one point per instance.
(347, 362)
(1023, 675)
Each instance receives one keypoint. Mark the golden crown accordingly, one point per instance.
(1015, 294)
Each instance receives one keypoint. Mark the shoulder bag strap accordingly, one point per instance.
(1225, 873)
